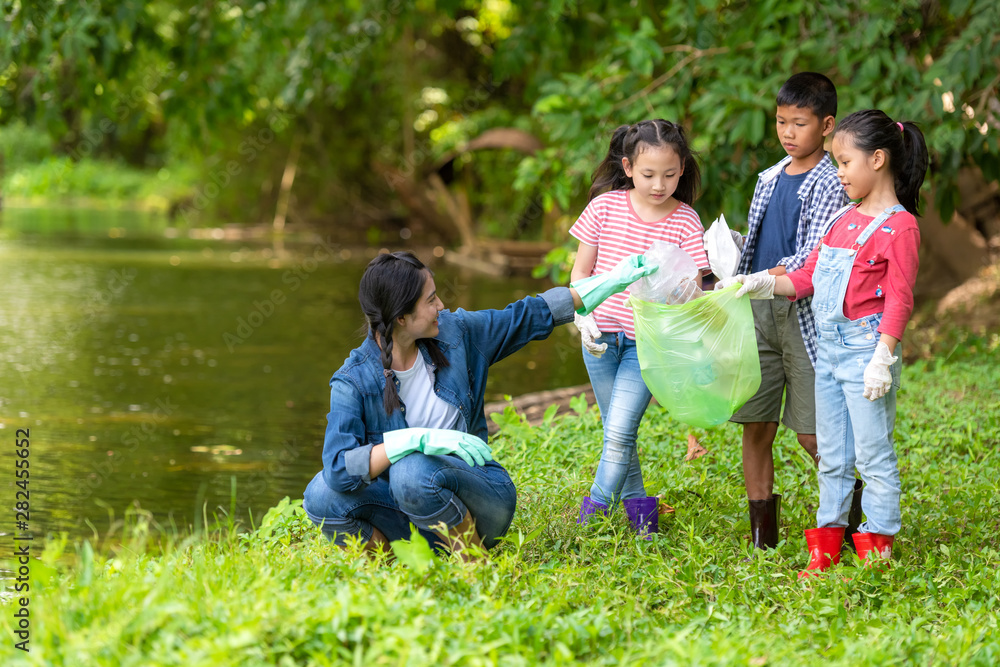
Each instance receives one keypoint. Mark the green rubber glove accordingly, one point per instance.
(594, 290)
(436, 441)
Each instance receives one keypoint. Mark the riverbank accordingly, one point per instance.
(553, 593)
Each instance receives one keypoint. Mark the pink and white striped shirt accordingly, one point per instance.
(610, 223)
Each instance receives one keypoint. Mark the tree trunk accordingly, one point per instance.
(285, 192)
(459, 214)
(412, 195)
(950, 253)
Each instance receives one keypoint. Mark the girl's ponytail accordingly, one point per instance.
(913, 167)
(873, 130)
(610, 174)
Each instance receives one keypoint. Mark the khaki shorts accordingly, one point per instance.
(784, 369)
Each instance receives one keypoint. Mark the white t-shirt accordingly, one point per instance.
(424, 409)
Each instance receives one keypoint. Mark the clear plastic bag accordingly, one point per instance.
(676, 281)
(698, 359)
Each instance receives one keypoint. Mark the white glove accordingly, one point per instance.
(878, 379)
(758, 285)
(588, 332)
(737, 239)
(728, 282)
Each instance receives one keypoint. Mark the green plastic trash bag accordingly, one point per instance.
(699, 359)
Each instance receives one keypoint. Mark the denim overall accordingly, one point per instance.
(852, 431)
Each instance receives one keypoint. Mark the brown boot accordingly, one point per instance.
(764, 515)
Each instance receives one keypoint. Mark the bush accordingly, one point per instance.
(22, 145)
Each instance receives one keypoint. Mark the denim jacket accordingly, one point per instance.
(471, 341)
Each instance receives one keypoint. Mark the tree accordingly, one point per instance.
(716, 66)
(356, 95)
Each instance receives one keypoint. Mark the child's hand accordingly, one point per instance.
(588, 332)
(737, 239)
(878, 379)
(758, 285)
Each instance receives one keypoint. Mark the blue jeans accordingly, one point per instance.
(423, 490)
(853, 431)
(622, 398)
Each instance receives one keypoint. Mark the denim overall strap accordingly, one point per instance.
(833, 272)
(876, 223)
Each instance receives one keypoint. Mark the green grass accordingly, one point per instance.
(34, 173)
(553, 593)
(103, 182)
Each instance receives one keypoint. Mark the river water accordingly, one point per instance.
(157, 370)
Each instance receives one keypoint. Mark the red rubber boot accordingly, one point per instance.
(824, 549)
(873, 547)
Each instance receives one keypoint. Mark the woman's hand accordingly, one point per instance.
(436, 441)
(588, 332)
(595, 289)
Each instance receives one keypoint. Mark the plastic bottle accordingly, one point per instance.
(675, 281)
(686, 290)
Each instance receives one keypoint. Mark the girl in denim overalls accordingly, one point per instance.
(861, 277)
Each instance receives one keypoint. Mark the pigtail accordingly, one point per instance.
(628, 140)
(913, 167)
(689, 183)
(610, 174)
(390, 397)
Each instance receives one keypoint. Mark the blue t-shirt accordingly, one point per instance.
(780, 224)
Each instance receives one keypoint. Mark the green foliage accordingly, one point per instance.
(55, 178)
(22, 145)
(718, 67)
(512, 422)
(552, 592)
(557, 263)
(283, 524)
(415, 553)
(363, 85)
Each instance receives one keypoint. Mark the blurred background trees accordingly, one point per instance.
(450, 121)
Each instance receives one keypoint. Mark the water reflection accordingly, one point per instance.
(156, 369)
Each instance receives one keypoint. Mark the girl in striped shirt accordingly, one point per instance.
(642, 192)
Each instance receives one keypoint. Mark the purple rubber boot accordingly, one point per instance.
(643, 515)
(588, 508)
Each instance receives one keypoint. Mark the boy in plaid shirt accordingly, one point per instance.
(792, 204)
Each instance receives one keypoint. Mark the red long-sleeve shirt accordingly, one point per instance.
(884, 272)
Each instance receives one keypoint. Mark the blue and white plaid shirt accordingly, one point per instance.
(822, 196)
